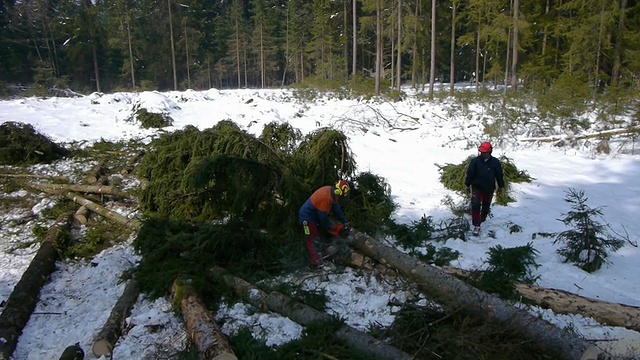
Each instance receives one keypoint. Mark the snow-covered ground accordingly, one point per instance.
(400, 141)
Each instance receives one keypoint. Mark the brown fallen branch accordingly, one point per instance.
(200, 324)
(94, 174)
(305, 315)
(116, 323)
(91, 189)
(131, 164)
(34, 176)
(564, 302)
(455, 294)
(585, 136)
(24, 297)
(99, 209)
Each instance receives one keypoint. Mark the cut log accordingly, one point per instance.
(92, 189)
(116, 323)
(455, 294)
(99, 209)
(80, 217)
(564, 302)
(305, 315)
(605, 133)
(201, 326)
(24, 297)
(94, 174)
(131, 164)
(34, 176)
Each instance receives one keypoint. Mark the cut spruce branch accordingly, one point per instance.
(200, 324)
(91, 189)
(35, 176)
(99, 209)
(94, 174)
(564, 302)
(116, 323)
(24, 297)
(305, 315)
(600, 134)
(457, 295)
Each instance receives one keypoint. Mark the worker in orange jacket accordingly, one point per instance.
(315, 221)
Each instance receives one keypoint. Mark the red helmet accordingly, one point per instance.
(485, 147)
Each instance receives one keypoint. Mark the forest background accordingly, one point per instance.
(558, 49)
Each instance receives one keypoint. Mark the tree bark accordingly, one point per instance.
(455, 294)
(304, 315)
(93, 189)
(131, 164)
(564, 302)
(24, 297)
(629, 130)
(202, 328)
(80, 216)
(94, 174)
(116, 323)
(99, 209)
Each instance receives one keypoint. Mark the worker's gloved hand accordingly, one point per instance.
(346, 231)
(337, 230)
(500, 191)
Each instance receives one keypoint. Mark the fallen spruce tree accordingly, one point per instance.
(457, 295)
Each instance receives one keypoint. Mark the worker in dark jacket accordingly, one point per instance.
(315, 221)
(483, 173)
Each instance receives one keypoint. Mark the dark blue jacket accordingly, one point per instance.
(484, 174)
(319, 206)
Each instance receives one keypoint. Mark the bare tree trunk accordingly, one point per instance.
(111, 215)
(304, 315)
(24, 297)
(93, 189)
(516, 44)
(455, 294)
(399, 47)
(478, 61)
(116, 323)
(378, 46)
(173, 49)
(200, 324)
(354, 62)
(94, 174)
(432, 71)
(596, 80)
(452, 55)
(34, 176)
(186, 47)
(131, 62)
(619, 49)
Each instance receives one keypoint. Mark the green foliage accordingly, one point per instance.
(152, 120)
(430, 333)
(586, 244)
(452, 176)
(414, 235)
(566, 98)
(22, 144)
(369, 206)
(100, 235)
(172, 248)
(506, 267)
(438, 256)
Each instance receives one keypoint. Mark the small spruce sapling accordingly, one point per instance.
(586, 244)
